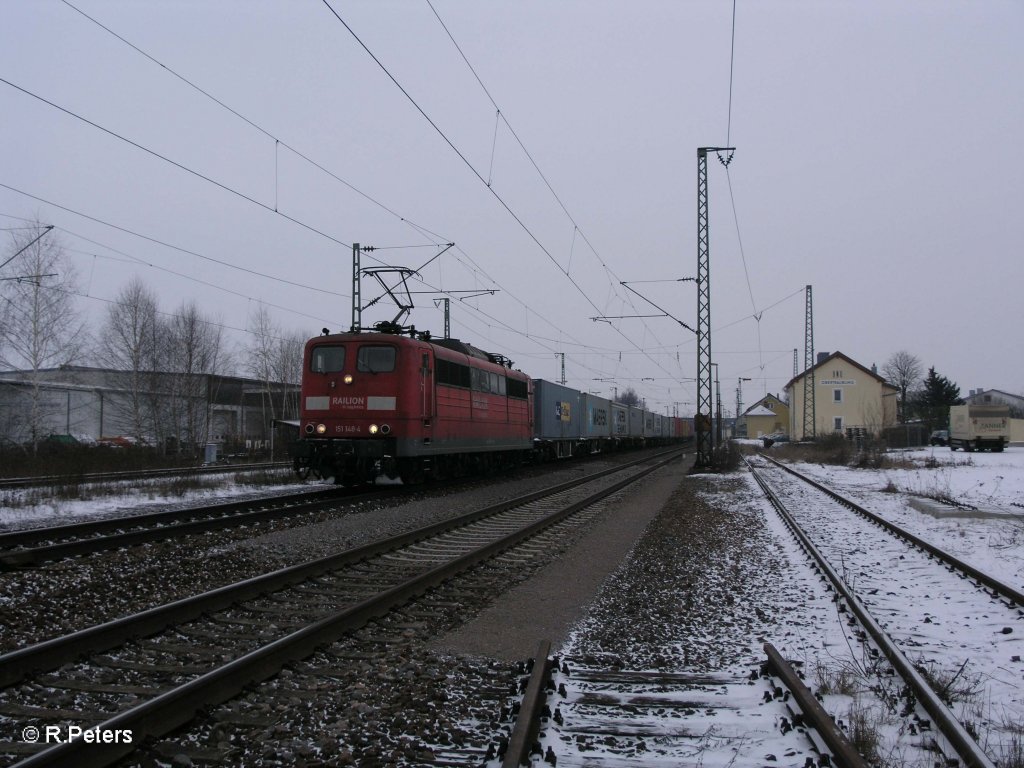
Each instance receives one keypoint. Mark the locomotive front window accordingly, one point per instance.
(327, 359)
(376, 359)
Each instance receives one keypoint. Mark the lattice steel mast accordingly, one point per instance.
(702, 420)
(809, 415)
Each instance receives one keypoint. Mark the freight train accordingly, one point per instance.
(382, 404)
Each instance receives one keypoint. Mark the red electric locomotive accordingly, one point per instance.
(384, 404)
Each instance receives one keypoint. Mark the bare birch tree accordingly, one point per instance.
(275, 359)
(262, 353)
(39, 326)
(288, 371)
(129, 344)
(196, 355)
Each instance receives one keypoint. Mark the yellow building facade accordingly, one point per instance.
(767, 416)
(848, 398)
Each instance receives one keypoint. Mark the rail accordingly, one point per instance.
(952, 729)
(170, 709)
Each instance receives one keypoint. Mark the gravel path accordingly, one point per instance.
(554, 599)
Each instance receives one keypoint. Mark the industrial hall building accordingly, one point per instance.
(847, 398)
(155, 408)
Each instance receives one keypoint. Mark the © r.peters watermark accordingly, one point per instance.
(59, 734)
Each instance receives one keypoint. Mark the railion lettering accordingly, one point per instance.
(349, 402)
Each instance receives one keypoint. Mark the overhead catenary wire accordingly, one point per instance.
(732, 197)
(278, 142)
(437, 239)
(166, 244)
(496, 321)
(613, 278)
(469, 165)
(503, 325)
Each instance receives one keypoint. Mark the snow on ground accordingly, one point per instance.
(34, 507)
(990, 536)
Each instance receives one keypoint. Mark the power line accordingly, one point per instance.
(504, 117)
(170, 245)
(461, 156)
(184, 250)
(732, 197)
(254, 201)
(428, 234)
(176, 164)
(732, 59)
(471, 167)
(248, 121)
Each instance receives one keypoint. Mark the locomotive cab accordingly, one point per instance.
(381, 403)
(358, 407)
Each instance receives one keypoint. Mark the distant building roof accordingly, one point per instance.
(850, 360)
(981, 394)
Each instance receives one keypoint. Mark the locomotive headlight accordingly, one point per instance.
(373, 429)
(347, 378)
(321, 429)
(384, 429)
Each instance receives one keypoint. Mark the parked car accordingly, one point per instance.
(939, 437)
(774, 437)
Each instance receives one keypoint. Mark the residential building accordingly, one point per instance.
(997, 397)
(767, 415)
(848, 398)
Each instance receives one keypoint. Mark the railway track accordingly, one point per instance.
(29, 547)
(634, 717)
(919, 608)
(908, 617)
(33, 546)
(203, 650)
(133, 475)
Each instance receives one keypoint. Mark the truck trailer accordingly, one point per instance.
(979, 427)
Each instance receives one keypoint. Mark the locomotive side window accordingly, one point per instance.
(518, 389)
(452, 374)
(375, 359)
(327, 359)
(481, 380)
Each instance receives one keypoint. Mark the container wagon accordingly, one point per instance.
(558, 419)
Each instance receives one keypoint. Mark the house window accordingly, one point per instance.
(837, 395)
(837, 423)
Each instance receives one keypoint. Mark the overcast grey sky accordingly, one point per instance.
(879, 159)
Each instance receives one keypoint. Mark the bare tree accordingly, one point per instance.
(262, 352)
(129, 344)
(275, 359)
(903, 370)
(628, 396)
(39, 325)
(288, 371)
(196, 355)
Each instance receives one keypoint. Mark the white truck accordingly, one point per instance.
(977, 427)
